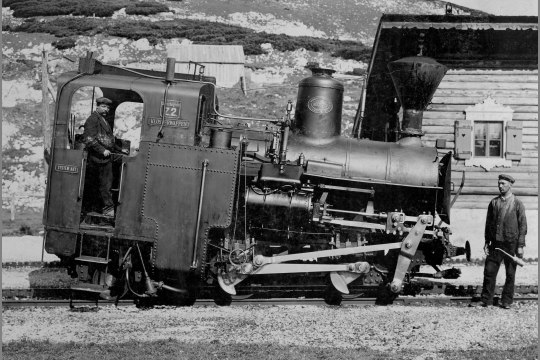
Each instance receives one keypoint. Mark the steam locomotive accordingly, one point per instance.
(204, 200)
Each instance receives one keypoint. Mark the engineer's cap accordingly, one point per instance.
(507, 178)
(103, 100)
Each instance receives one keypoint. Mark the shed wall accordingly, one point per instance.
(224, 62)
(460, 89)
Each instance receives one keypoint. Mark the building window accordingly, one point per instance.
(488, 138)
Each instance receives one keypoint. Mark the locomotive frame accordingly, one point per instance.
(203, 202)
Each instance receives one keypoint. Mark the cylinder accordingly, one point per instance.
(294, 201)
(318, 106)
(220, 138)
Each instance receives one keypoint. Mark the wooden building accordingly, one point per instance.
(224, 62)
(485, 109)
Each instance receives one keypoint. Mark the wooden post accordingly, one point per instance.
(45, 105)
(12, 208)
(243, 85)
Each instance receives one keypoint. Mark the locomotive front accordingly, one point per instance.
(364, 211)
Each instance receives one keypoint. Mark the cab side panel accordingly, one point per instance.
(170, 189)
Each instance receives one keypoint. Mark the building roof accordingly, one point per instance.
(456, 41)
(462, 22)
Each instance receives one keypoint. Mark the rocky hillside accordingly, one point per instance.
(275, 73)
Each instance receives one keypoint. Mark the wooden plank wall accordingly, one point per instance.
(224, 62)
(460, 89)
(227, 75)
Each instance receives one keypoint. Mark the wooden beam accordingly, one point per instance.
(46, 122)
(490, 72)
(488, 85)
(523, 113)
(448, 113)
(492, 77)
(473, 100)
(478, 92)
(458, 167)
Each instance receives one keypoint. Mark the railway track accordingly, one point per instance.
(90, 305)
(93, 304)
(291, 292)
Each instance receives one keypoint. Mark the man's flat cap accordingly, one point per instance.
(103, 100)
(507, 178)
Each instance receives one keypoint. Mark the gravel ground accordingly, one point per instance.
(397, 327)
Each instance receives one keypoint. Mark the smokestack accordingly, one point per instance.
(415, 78)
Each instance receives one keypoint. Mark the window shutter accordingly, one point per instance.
(463, 140)
(514, 130)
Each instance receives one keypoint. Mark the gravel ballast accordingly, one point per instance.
(390, 328)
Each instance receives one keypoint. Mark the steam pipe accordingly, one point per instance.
(199, 212)
(285, 134)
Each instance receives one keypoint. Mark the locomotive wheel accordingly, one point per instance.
(332, 296)
(117, 287)
(145, 303)
(385, 296)
(221, 298)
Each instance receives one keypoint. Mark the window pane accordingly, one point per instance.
(495, 138)
(495, 131)
(494, 148)
(479, 148)
(480, 130)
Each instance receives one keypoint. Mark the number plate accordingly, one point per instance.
(71, 169)
(172, 109)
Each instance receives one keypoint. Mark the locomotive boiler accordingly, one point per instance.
(204, 201)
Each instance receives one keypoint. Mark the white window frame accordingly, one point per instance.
(489, 111)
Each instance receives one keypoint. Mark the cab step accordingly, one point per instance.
(94, 220)
(92, 259)
(89, 288)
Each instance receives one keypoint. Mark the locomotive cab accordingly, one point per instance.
(152, 117)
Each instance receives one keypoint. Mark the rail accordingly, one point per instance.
(89, 305)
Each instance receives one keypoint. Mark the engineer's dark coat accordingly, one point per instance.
(98, 137)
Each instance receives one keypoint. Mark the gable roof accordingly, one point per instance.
(457, 41)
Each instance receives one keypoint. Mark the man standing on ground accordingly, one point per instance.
(506, 227)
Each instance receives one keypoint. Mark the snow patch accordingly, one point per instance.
(15, 92)
(142, 45)
(8, 131)
(270, 24)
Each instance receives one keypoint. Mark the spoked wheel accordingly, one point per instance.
(385, 296)
(332, 296)
(145, 303)
(117, 287)
(221, 297)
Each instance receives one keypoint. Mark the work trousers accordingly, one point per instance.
(98, 184)
(491, 269)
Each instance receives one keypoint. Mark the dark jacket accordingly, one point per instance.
(98, 137)
(509, 228)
